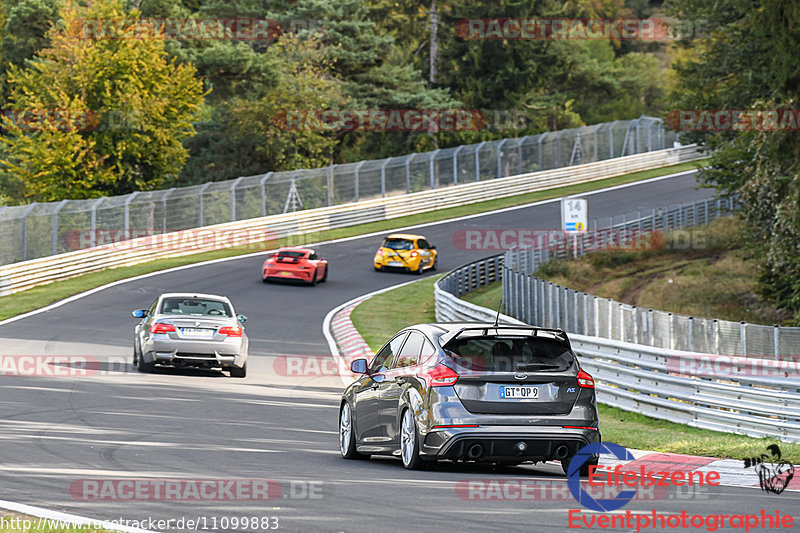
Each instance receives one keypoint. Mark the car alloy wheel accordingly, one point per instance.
(409, 444)
(347, 439)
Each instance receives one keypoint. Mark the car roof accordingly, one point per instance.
(194, 295)
(409, 236)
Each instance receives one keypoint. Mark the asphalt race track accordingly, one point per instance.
(61, 435)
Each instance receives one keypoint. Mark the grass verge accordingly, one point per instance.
(38, 297)
(379, 318)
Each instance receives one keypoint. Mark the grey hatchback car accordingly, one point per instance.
(190, 330)
(470, 392)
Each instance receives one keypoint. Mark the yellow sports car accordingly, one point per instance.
(402, 251)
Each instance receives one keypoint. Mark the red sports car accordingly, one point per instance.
(295, 263)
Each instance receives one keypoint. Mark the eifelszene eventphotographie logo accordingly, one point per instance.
(774, 473)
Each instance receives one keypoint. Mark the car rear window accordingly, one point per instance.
(398, 244)
(510, 353)
(195, 306)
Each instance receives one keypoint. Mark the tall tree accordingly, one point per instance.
(114, 112)
(751, 60)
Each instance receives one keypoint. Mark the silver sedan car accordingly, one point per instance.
(190, 330)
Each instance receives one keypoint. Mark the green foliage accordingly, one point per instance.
(126, 108)
(751, 61)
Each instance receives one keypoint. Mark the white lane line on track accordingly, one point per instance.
(333, 241)
(70, 519)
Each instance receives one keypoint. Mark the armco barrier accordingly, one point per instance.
(727, 396)
(20, 276)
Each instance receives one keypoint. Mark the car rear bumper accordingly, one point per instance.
(303, 275)
(502, 443)
(226, 354)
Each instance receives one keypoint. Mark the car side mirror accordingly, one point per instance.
(139, 313)
(359, 366)
(433, 247)
(242, 318)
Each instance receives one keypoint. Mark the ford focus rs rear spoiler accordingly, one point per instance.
(555, 334)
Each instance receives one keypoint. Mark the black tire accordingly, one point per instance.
(237, 372)
(264, 280)
(135, 353)
(409, 444)
(313, 281)
(379, 269)
(145, 368)
(584, 472)
(347, 435)
(419, 269)
(325, 275)
(435, 263)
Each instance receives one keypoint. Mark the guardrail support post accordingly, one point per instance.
(651, 326)
(62, 203)
(574, 311)
(671, 343)
(596, 317)
(716, 336)
(635, 325)
(691, 333)
(610, 312)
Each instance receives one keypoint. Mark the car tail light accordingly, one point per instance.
(231, 331)
(439, 376)
(159, 327)
(585, 380)
(414, 253)
(380, 251)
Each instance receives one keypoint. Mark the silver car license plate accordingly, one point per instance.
(197, 332)
(515, 392)
(395, 264)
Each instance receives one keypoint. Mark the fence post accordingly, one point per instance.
(716, 336)
(455, 164)
(621, 322)
(519, 154)
(596, 317)
(62, 203)
(431, 167)
(539, 144)
(264, 179)
(575, 311)
(671, 344)
(163, 208)
(408, 172)
(651, 326)
(500, 158)
(24, 250)
(610, 311)
(478, 161)
(383, 177)
(549, 305)
(691, 333)
(233, 197)
(611, 140)
(355, 178)
(776, 341)
(743, 333)
(94, 218)
(329, 185)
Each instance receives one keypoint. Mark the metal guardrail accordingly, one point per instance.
(43, 229)
(538, 301)
(658, 382)
(24, 275)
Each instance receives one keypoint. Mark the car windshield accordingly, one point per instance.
(195, 306)
(510, 353)
(398, 244)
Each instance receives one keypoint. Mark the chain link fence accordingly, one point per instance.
(44, 229)
(546, 304)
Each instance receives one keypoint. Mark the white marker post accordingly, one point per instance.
(574, 219)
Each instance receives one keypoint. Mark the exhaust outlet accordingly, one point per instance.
(475, 451)
(562, 451)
